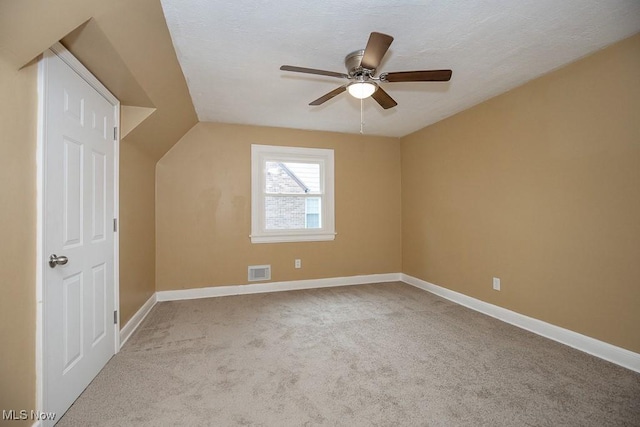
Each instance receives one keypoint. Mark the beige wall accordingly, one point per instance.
(204, 200)
(540, 187)
(137, 229)
(18, 92)
(126, 45)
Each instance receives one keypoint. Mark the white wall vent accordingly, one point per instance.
(259, 272)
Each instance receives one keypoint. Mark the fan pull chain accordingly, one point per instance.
(361, 118)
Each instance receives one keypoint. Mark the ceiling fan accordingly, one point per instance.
(361, 70)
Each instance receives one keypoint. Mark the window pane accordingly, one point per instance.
(313, 205)
(313, 221)
(313, 213)
(292, 212)
(292, 178)
(284, 212)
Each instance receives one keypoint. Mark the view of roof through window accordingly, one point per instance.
(288, 177)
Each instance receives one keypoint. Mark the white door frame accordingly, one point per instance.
(59, 50)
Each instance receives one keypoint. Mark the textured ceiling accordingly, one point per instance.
(230, 53)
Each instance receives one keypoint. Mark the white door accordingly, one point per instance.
(78, 287)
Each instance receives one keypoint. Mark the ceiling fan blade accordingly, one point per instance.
(384, 99)
(313, 71)
(418, 76)
(328, 96)
(377, 46)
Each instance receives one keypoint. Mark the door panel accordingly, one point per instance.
(99, 191)
(79, 205)
(99, 298)
(73, 186)
(72, 327)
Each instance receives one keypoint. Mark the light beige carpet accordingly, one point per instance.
(372, 355)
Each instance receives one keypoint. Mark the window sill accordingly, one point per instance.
(292, 238)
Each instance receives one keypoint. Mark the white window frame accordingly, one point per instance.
(260, 155)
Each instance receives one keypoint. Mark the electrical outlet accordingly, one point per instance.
(496, 284)
(298, 263)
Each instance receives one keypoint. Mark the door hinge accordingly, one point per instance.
(115, 133)
(115, 224)
(115, 317)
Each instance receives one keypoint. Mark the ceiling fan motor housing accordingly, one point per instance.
(352, 61)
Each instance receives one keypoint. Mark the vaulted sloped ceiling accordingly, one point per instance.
(126, 44)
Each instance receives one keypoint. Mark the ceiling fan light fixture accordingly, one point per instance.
(362, 90)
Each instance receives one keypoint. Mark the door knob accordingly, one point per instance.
(57, 260)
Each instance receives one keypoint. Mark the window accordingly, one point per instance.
(291, 194)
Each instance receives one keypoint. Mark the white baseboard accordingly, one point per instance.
(220, 291)
(601, 349)
(134, 322)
